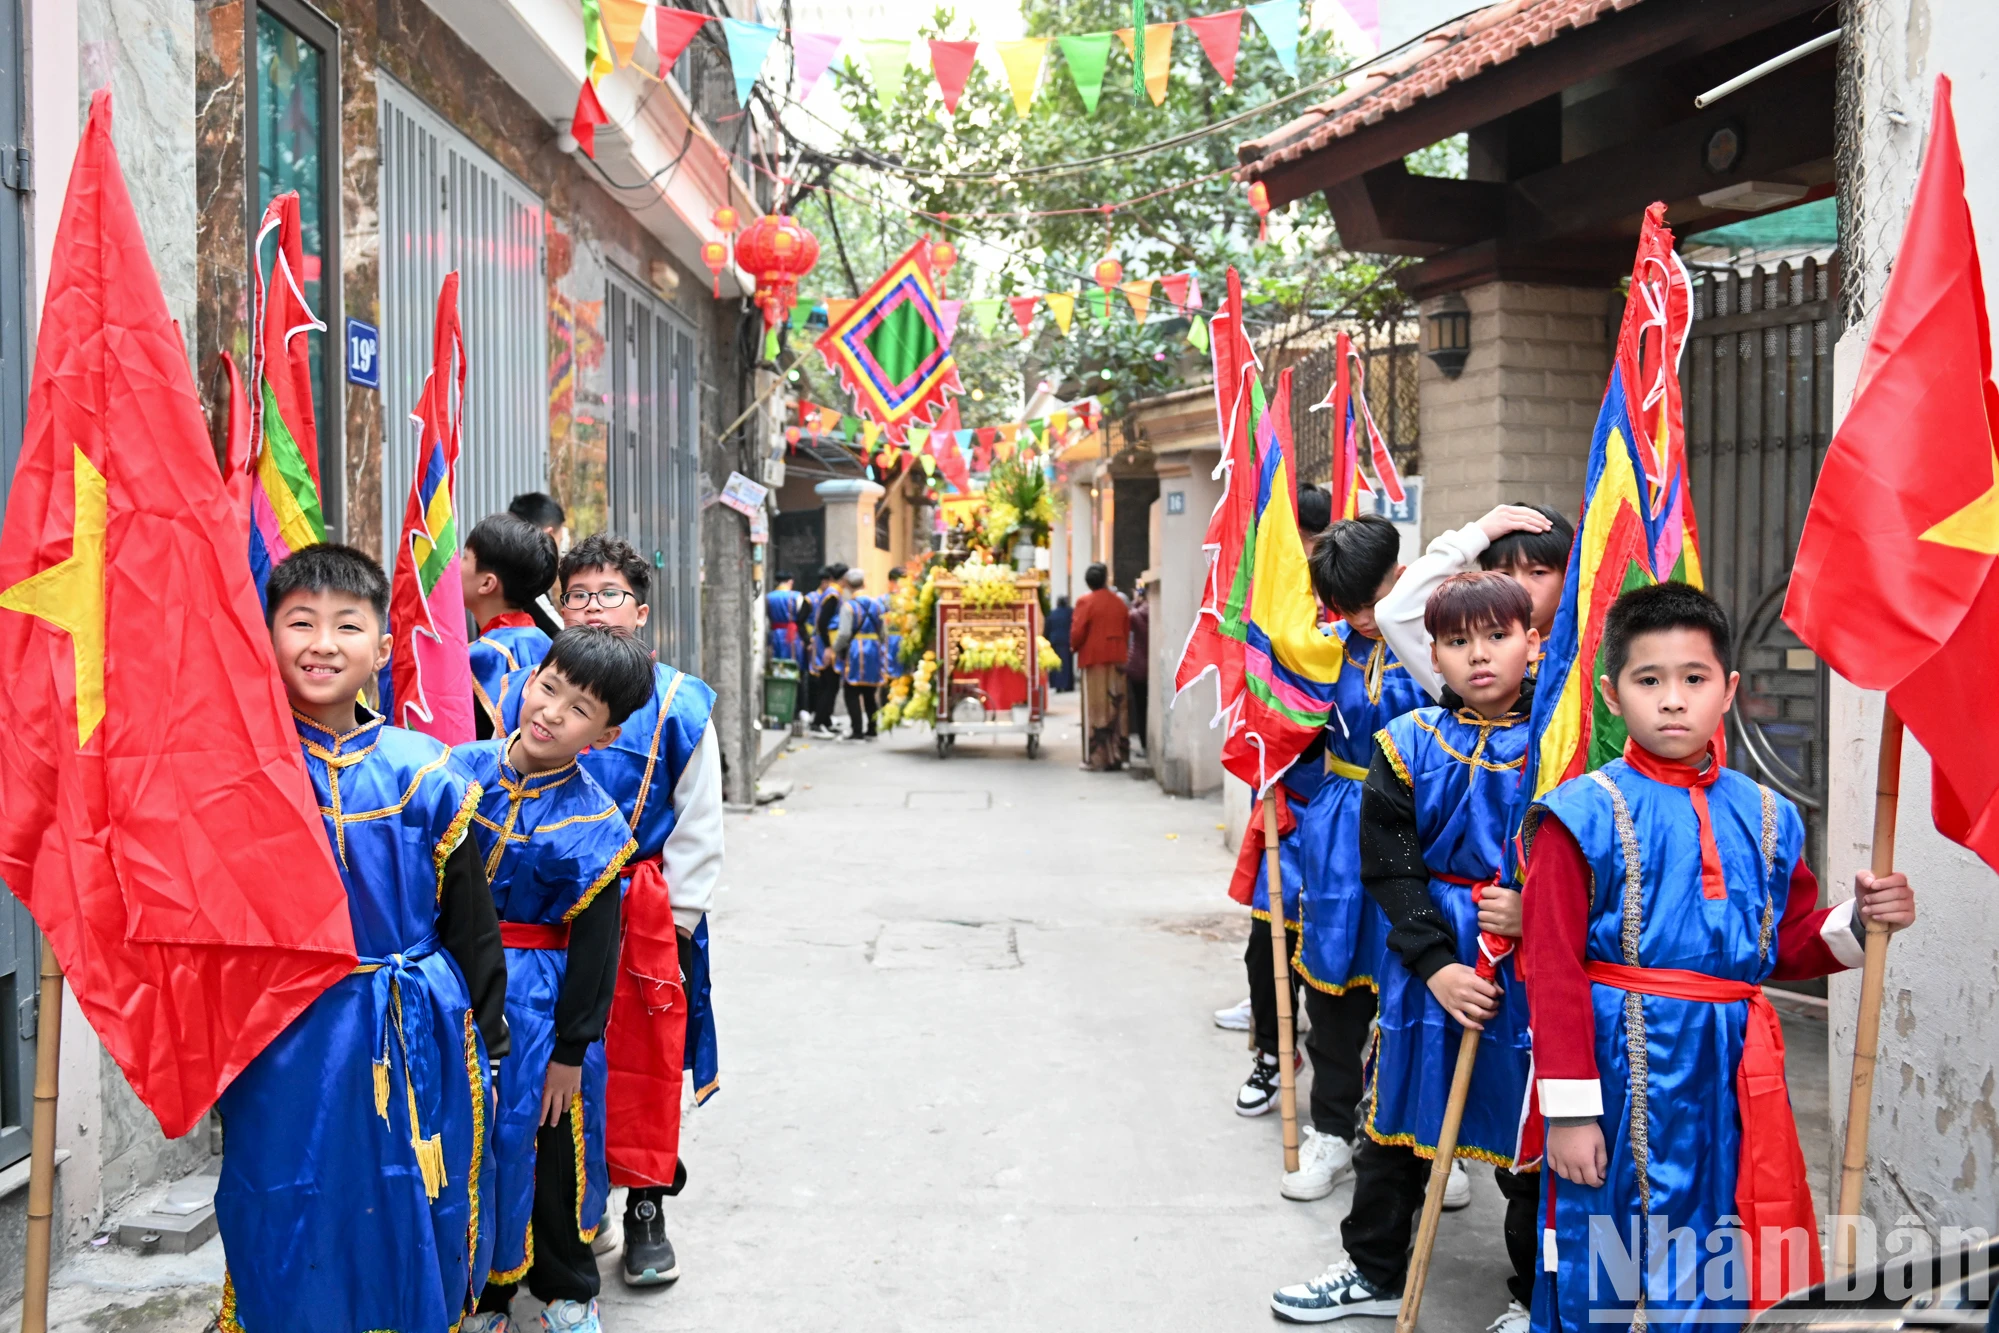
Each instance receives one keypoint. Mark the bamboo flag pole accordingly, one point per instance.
(1440, 1176)
(1873, 978)
(42, 1153)
(1280, 963)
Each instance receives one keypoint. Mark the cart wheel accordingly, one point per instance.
(943, 746)
(1033, 747)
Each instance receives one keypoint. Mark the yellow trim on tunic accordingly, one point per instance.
(1386, 744)
(1361, 982)
(514, 1275)
(472, 1072)
(652, 753)
(576, 1133)
(612, 870)
(1426, 1151)
(454, 833)
(1486, 726)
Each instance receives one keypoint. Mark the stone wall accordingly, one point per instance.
(1516, 424)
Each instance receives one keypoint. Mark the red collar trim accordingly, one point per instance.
(509, 620)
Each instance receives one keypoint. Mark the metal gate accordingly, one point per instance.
(1757, 379)
(654, 463)
(447, 205)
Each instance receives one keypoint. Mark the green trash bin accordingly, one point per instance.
(781, 693)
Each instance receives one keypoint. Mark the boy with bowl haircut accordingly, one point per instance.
(1529, 542)
(664, 770)
(508, 564)
(1433, 827)
(1662, 890)
(552, 842)
(354, 1173)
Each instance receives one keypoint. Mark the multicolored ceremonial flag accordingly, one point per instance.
(284, 438)
(431, 671)
(1354, 434)
(890, 349)
(1637, 521)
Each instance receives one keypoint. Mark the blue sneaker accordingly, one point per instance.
(571, 1317)
(1337, 1293)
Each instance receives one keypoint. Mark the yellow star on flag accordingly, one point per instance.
(70, 596)
(1974, 527)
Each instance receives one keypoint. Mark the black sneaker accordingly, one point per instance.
(1259, 1093)
(648, 1260)
(1337, 1293)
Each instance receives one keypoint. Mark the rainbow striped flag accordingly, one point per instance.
(430, 670)
(284, 439)
(1637, 522)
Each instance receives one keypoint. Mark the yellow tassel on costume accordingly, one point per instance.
(382, 1088)
(430, 1161)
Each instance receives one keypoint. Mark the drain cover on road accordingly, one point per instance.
(950, 800)
(956, 946)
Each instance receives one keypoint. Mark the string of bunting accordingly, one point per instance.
(612, 29)
(948, 448)
(1182, 291)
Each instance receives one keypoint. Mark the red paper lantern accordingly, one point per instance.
(943, 258)
(716, 256)
(1259, 199)
(725, 220)
(1108, 273)
(778, 252)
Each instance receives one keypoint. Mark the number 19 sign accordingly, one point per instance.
(364, 354)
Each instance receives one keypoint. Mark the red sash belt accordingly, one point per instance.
(1249, 857)
(522, 935)
(646, 1037)
(1771, 1190)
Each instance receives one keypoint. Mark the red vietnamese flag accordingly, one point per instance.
(1894, 583)
(155, 815)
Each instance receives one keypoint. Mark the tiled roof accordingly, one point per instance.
(1446, 55)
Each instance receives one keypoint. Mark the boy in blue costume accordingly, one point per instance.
(1662, 890)
(552, 841)
(857, 646)
(1342, 933)
(1433, 827)
(356, 1179)
(783, 606)
(665, 773)
(507, 564)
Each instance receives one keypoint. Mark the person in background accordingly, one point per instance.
(1099, 634)
(825, 660)
(784, 606)
(506, 565)
(892, 641)
(546, 513)
(1137, 656)
(1062, 678)
(857, 647)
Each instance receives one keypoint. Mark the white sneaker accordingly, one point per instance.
(1457, 1190)
(1322, 1159)
(571, 1317)
(1337, 1293)
(1235, 1018)
(610, 1232)
(486, 1323)
(1515, 1320)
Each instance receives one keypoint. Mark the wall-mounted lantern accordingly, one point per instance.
(1447, 334)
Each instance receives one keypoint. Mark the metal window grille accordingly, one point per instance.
(654, 460)
(446, 204)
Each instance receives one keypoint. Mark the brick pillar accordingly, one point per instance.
(1515, 426)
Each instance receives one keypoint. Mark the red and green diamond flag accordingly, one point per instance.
(890, 349)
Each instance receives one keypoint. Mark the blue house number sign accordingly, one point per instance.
(364, 355)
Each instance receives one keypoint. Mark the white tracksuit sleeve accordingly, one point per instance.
(692, 856)
(1400, 614)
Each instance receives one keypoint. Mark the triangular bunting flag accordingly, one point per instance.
(837, 308)
(597, 58)
(1279, 21)
(1220, 36)
(1087, 57)
(929, 466)
(849, 427)
(963, 437)
(1022, 60)
(1126, 35)
(949, 312)
(1158, 60)
(984, 313)
(870, 432)
(917, 438)
(986, 435)
(829, 421)
(748, 44)
(1175, 287)
(589, 115)
(1099, 302)
(1141, 68)
(1023, 312)
(952, 64)
(887, 57)
(1058, 423)
(672, 30)
(1062, 305)
(1003, 450)
(1009, 433)
(623, 21)
(811, 53)
(1139, 292)
(1197, 335)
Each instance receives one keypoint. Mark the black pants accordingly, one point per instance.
(564, 1268)
(1335, 1045)
(860, 709)
(1388, 1197)
(825, 696)
(1134, 706)
(638, 1193)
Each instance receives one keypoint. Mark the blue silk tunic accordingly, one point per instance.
(866, 664)
(1667, 1065)
(1463, 771)
(1343, 932)
(496, 652)
(783, 607)
(337, 1214)
(550, 842)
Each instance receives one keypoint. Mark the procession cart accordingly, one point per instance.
(990, 678)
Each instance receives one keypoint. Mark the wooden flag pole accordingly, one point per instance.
(1873, 978)
(1280, 963)
(1440, 1176)
(42, 1152)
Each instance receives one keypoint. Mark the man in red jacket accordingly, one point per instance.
(1098, 635)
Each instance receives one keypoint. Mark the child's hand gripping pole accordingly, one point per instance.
(1492, 950)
